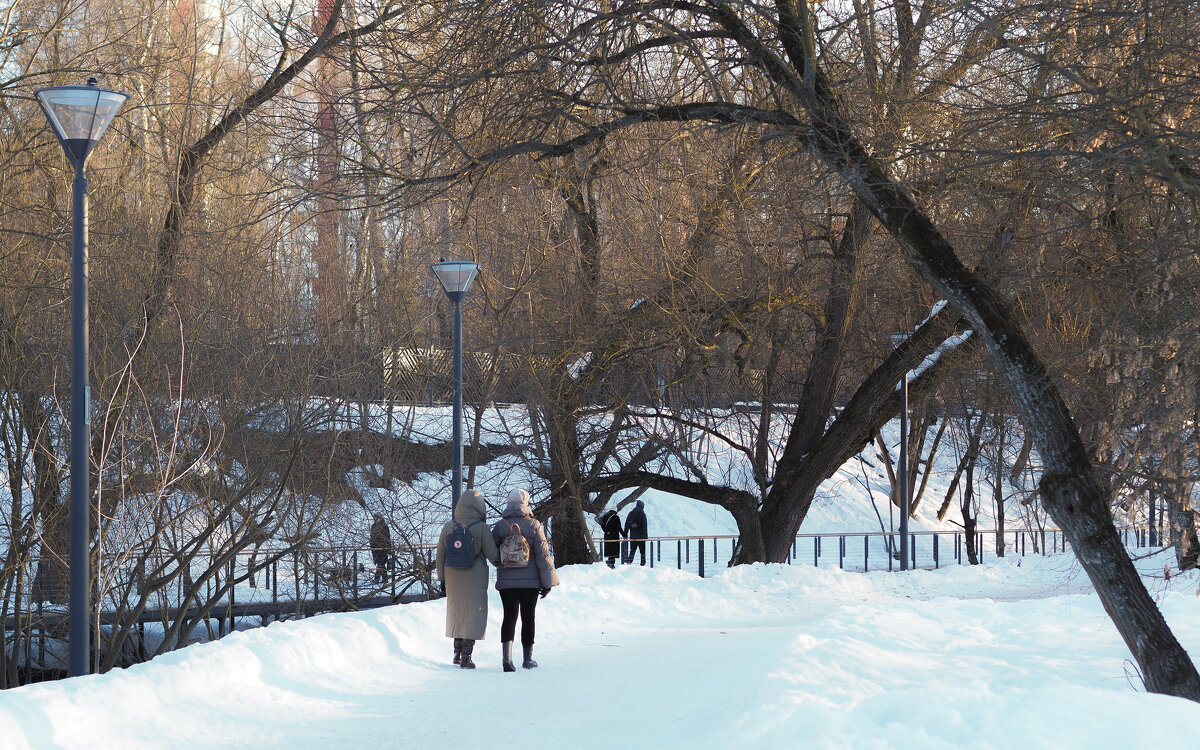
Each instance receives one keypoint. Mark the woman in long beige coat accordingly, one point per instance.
(466, 588)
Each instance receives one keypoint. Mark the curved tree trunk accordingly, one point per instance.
(877, 400)
(1075, 495)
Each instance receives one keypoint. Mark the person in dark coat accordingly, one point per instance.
(466, 588)
(610, 524)
(637, 531)
(519, 587)
(381, 547)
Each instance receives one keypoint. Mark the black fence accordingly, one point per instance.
(314, 581)
(867, 551)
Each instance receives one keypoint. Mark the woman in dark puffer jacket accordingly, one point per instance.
(519, 587)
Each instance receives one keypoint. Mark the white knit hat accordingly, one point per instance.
(518, 501)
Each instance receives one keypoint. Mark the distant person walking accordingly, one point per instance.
(466, 587)
(381, 547)
(520, 585)
(610, 524)
(637, 531)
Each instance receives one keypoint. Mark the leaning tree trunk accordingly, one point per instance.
(874, 403)
(1075, 495)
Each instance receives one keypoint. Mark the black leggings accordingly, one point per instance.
(514, 600)
(636, 546)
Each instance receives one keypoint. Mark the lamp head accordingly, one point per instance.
(455, 276)
(79, 115)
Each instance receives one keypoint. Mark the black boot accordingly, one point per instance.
(506, 656)
(529, 663)
(468, 646)
(458, 650)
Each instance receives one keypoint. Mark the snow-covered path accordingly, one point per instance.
(997, 656)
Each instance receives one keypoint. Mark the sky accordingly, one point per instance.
(1016, 653)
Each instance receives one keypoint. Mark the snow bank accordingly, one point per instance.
(766, 656)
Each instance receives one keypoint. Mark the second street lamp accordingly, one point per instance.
(79, 116)
(456, 276)
(902, 464)
(902, 470)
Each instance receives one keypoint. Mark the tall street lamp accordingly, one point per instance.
(902, 463)
(79, 116)
(456, 276)
(903, 471)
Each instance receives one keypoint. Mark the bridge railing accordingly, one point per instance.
(267, 587)
(862, 551)
(347, 574)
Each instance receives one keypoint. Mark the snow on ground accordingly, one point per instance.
(1011, 654)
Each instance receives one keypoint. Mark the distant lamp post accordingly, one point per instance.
(79, 116)
(456, 276)
(902, 467)
(903, 470)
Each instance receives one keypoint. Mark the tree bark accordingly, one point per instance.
(875, 402)
(1075, 495)
(1181, 523)
(568, 530)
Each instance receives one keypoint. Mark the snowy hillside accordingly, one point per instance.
(855, 500)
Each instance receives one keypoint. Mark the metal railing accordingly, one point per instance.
(269, 587)
(878, 550)
(346, 575)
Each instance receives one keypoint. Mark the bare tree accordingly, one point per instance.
(784, 48)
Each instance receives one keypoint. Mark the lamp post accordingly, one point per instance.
(79, 116)
(1153, 540)
(456, 276)
(902, 467)
(903, 470)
